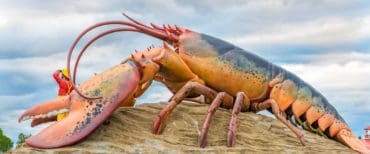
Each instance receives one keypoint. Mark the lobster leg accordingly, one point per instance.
(211, 110)
(189, 88)
(275, 110)
(238, 105)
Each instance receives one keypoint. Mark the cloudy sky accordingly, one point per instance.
(325, 42)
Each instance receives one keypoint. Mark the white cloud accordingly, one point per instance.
(322, 31)
(11, 127)
(352, 74)
(33, 66)
(3, 21)
(341, 77)
(155, 93)
(95, 59)
(10, 101)
(338, 57)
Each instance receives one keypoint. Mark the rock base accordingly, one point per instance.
(129, 131)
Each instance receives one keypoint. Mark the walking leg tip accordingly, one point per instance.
(156, 126)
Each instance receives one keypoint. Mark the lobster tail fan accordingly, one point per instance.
(348, 138)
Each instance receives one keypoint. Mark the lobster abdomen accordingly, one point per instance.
(308, 107)
(225, 67)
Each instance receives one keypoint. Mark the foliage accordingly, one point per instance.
(22, 138)
(5, 142)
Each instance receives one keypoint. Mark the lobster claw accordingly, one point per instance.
(115, 85)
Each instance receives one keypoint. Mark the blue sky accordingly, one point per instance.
(325, 42)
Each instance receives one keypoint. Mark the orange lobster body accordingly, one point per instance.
(211, 66)
(198, 64)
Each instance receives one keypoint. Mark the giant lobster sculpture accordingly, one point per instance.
(194, 64)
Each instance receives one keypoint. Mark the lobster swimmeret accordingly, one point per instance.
(197, 64)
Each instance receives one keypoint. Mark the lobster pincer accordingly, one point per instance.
(116, 86)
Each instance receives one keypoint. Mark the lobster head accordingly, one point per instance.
(94, 101)
(115, 85)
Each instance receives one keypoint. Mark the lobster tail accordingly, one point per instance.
(346, 137)
(340, 131)
(304, 106)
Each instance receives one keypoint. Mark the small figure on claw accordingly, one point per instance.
(65, 87)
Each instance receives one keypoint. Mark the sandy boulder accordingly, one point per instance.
(129, 131)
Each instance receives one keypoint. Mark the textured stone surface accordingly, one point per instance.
(130, 131)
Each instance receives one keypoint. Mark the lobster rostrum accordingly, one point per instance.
(189, 64)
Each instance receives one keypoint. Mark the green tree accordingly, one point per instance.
(22, 138)
(5, 142)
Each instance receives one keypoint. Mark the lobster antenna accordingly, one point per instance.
(134, 21)
(135, 27)
(92, 41)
